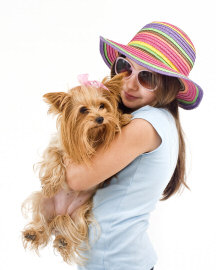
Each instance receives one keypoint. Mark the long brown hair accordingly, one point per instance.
(168, 87)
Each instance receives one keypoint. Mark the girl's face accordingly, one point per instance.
(133, 95)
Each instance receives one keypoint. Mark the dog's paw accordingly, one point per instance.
(60, 242)
(64, 247)
(33, 239)
(30, 235)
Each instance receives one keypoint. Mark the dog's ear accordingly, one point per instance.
(114, 84)
(57, 101)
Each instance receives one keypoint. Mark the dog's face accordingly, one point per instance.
(92, 110)
(87, 117)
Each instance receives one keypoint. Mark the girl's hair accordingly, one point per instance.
(168, 87)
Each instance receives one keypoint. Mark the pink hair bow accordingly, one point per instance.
(83, 79)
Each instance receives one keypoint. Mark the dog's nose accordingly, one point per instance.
(99, 120)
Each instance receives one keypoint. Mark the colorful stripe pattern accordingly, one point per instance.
(163, 48)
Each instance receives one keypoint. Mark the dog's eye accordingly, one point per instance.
(101, 106)
(83, 110)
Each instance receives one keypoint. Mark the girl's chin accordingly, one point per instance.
(129, 105)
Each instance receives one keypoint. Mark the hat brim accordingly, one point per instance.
(188, 99)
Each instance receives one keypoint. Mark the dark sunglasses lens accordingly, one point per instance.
(123, 66)
(147, 79)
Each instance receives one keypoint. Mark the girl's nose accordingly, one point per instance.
(132, 82)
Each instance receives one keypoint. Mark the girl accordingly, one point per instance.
(147, 160)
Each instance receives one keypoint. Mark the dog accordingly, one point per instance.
(88, 116)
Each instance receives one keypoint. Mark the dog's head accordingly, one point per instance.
(87, 117)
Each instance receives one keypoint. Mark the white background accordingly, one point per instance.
(44, 45)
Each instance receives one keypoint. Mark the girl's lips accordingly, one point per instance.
(129, 97)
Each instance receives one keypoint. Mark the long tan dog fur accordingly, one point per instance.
(88, 117)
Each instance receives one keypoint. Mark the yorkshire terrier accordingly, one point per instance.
(88, 117)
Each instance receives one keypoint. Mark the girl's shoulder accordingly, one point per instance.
(160, 118)
(155, 112)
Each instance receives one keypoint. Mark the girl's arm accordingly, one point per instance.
(136, 138)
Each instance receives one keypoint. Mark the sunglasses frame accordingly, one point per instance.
(135, 72)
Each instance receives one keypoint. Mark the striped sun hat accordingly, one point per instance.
(163, 48)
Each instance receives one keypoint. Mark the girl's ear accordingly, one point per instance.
(57, 101)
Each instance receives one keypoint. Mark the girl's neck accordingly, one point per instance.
(123, 108)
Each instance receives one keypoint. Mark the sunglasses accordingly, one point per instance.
(145, 78)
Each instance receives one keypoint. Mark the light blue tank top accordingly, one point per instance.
(123, 207)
